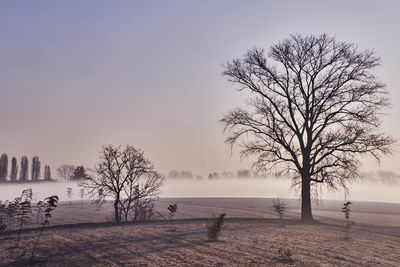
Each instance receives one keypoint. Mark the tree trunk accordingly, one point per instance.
(306, 215)
(116, 211)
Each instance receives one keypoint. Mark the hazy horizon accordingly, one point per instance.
(79, 75)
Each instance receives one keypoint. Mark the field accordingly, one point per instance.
(83, 235)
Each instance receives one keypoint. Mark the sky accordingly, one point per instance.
(76, 75)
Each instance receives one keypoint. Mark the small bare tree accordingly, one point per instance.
(314, 109)
(65, 171)
(126, 176)
(69, 194)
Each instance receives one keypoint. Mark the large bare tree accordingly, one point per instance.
(125, 175)
(314, 108)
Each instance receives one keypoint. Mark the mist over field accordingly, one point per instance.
(369, 189)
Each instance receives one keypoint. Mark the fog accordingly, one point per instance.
(233, 187)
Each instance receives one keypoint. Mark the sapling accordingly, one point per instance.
(24, 210)
(12, 210)
(39, 208)
(82, 194)
(50, 203)
(69, 194)
(172, 209)
(214, 228)
(279, 207)
(346, 210)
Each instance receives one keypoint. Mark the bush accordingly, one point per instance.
(285, 252)
(285, 255)
(214, 228)
(143, 209)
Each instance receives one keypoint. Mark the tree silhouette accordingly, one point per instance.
(79, 173)
(314, 108)
(35, 168)
(14, 169)
(3, 167)
(23, 175)
(126, 175)
(47, 172)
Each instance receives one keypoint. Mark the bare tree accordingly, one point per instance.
(14, 169)
(3, 167)
(142, 188)
(126, 176)
(23, 174)
(65, 171)
(314, 108)
(35, 168)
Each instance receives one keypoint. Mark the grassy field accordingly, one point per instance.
(253, 236)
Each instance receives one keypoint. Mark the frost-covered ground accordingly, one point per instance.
(253, 236)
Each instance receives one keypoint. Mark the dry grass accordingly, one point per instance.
(251, 238)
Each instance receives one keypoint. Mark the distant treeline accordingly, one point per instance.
(23, 169)
(175, 174)
(70, 172)
(381, 176)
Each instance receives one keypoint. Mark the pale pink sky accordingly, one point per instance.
(77, 75)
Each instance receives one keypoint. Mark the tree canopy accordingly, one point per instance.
(314, 107)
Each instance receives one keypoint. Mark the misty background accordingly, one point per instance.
(75, 76)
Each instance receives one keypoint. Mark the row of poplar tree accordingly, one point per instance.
(24, 169)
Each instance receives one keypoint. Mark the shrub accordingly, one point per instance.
(214, 228)
(285, 253)
(24, 211)
(3, 216)
(143, 210)
(16, 213)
